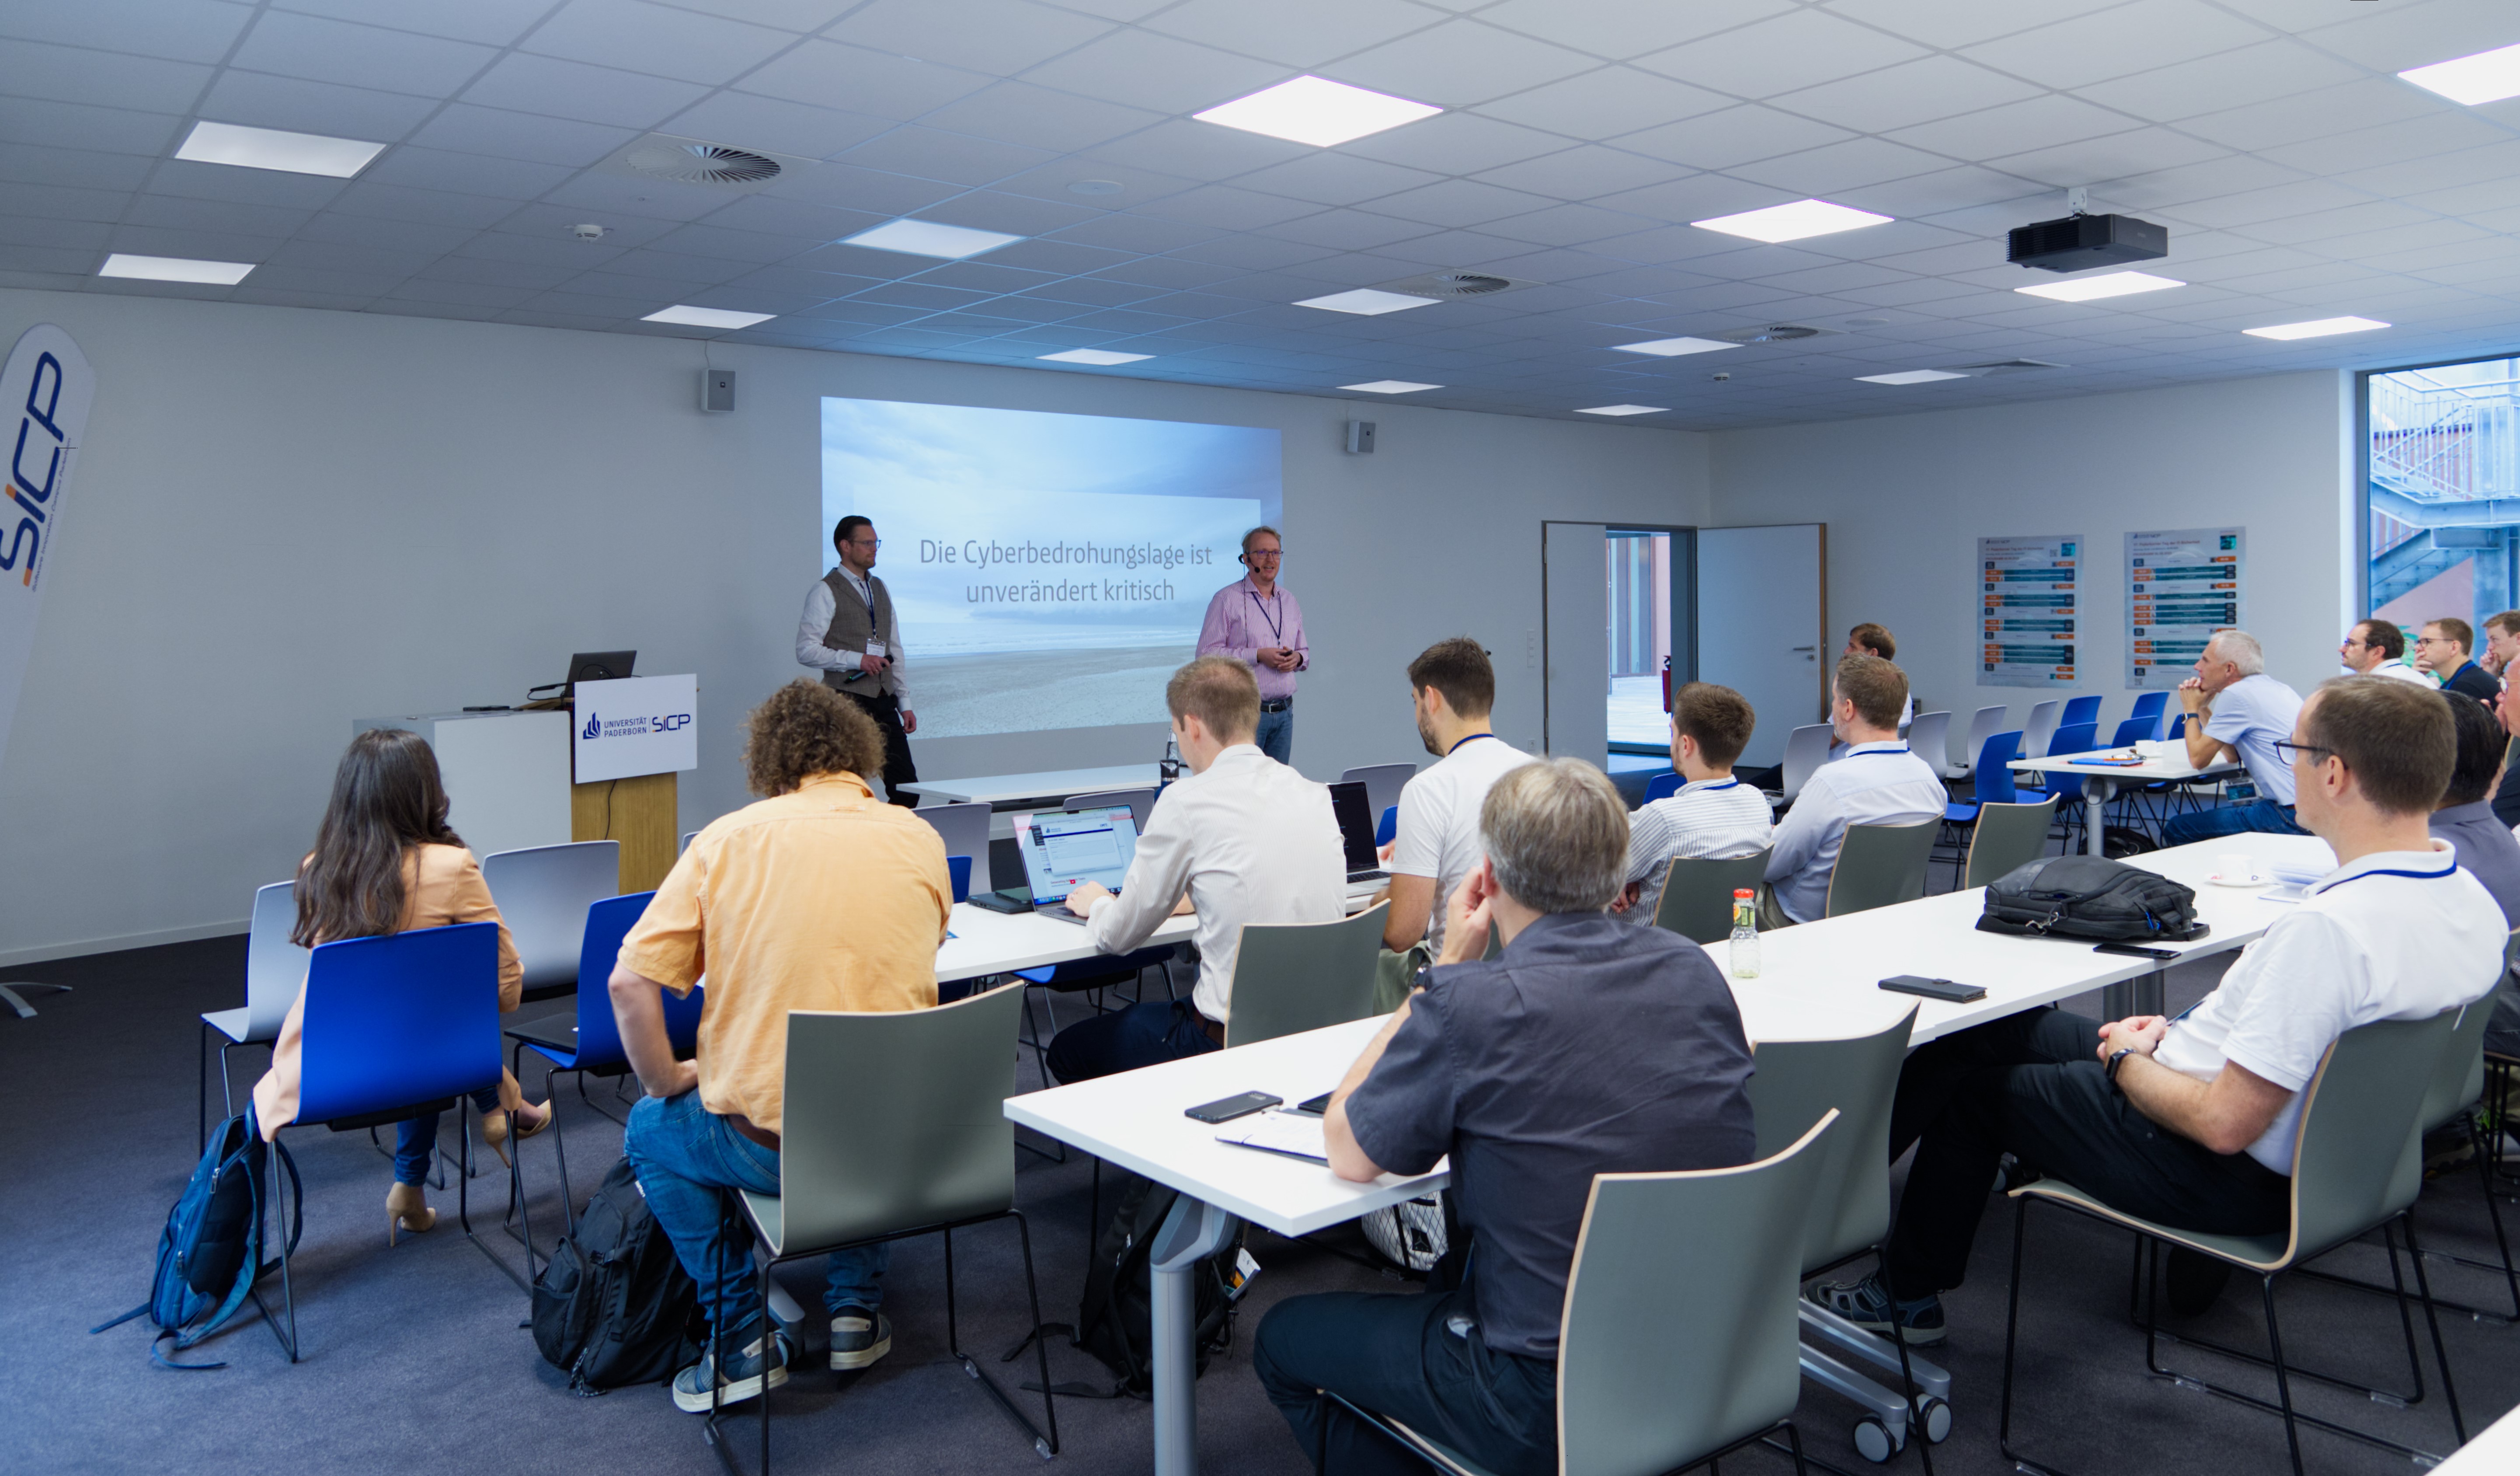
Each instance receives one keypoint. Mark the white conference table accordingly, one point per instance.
(1001, 943)
(1000, 791)
(2164, 760)
(1135, 1120)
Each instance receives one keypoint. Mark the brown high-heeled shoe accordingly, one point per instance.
(407, 1209)
(495, 1125)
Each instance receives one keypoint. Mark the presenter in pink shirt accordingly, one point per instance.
(1256, 621)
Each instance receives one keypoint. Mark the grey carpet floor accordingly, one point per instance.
(415, 1359)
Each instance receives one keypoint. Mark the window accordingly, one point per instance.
(2441, 487)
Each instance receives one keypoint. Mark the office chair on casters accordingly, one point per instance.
(1631, 1396)
(2357, 1164)
(1796, 1084)
(941, 1077)
(273, 968)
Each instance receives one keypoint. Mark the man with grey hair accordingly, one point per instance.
(1475, 1065)
(2235, 710)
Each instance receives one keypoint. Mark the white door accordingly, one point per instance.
(1575, 641)
(1761, 617)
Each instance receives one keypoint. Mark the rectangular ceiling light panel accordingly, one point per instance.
(2317, 328)
(2093, 289)
(175, 269)
(1792, 222)
(2489, 77)
(1367, 302)
(1104, 357)
(1316, 110)
(1623, 410)
(1673, 347)
(1390, 386)
(275, 148)
(688, 316)
(1907, 377)
(928, 238)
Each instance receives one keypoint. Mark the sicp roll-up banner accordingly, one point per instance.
(44, 397)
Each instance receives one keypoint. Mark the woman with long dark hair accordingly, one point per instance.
(385, 862)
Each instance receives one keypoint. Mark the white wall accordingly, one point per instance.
(286, 518)
(1907, 498)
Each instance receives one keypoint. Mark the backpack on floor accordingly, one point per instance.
(1411, 1234)
(210, 1255)
(613, 1306)
(2090, 900)
(1117, 1320)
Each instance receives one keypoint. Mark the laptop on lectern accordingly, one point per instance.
(590, 665)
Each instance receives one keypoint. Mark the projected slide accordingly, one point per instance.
(1050, 571)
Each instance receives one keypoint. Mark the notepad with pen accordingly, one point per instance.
(2110, 762)
(1286, 1134)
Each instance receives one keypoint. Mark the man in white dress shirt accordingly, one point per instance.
(1244, 839)
(2378, 648)
(851, 636)
(1875, 781)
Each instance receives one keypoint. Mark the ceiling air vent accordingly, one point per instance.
(699, 162)
(1772, 333)
(1455, 285)
(2007, 367)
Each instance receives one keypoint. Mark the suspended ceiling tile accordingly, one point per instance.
(823, 73)
(2117, 41)
(1787, 54)
(657, 41)
(320, 50)
(1459, 63)
(560, 88)
(1622, 29)
(999, 36)
(1299, 33)
(1019, 112)
(748, 122)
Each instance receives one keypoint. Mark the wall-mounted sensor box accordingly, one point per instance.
(1360, 437)
(717, 388)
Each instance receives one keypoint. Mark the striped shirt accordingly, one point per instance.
(1709, 818)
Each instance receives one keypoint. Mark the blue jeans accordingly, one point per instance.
(688, 1160)
(1142, 1035)
(416, 1138)
(1277, 735)
(2264, 815)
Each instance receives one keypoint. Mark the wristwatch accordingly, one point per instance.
(2116, 1058)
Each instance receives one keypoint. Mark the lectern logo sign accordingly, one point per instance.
(45, 392)
(660, 739)
(632, 727)
(594, 728)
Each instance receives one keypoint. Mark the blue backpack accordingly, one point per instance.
(210, 1252)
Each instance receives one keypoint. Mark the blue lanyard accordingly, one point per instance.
(2421, 876)
(1726, 784)
(1873, 753)
(867, 594)
(1277, 628)
(1456, 748)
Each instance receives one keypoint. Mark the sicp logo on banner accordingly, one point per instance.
(636, 725)
(44, 397)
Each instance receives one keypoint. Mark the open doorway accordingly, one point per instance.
(1638, 568)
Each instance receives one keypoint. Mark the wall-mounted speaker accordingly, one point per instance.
(717, 390)
(1360, 437)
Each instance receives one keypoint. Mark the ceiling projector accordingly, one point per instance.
(2081, 242)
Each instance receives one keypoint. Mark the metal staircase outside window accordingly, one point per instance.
(2445, 484)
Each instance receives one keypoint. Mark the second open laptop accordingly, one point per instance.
(1064, 849)
(1355, 814)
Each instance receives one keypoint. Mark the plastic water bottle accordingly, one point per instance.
(1171, 767)
(1745, 935)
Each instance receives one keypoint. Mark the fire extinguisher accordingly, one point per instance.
(1666, 683)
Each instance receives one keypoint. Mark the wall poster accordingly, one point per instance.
(2029, 598)
(2183, 585)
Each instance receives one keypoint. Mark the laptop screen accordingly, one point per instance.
(1063, 848)
(1356, 823)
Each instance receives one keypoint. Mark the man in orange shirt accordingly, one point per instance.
(817, 897)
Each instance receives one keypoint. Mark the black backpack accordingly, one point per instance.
(209, 1254)
(613, 1307)
(1117, 1320)
(2089, 899)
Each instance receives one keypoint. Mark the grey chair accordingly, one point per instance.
(937, 1079)
(1879, 865)
(543, 893)
(1141, 803)
(688, 836)
(1697, 901)
(1806, 750)
(1987, 723)
(965, 832)
(1631, 1396)
(1796, 1083)
(1294, 977)
(2361, 1122)
(273, 968)
(1382, 784)
(2003, 837)
(1929, 738)
(2041, 729)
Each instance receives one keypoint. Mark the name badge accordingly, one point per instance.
(874, 649)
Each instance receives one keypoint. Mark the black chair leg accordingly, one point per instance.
(2283, 1383)
(2441, 1356)
(2011, 1325)
(202, 1093)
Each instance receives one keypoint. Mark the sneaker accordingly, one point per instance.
(745, 1376)
(859, 1337)
(1866, 1303)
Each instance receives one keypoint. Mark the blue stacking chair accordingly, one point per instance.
(1389, 825)
(2078, 710)
(2149, 706)
(585, 1040)
(1993, 786)
(1661, 786)
(2134, 730)
(395, 1027)
(2071, 738)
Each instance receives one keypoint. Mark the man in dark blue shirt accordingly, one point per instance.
(1586, 1047)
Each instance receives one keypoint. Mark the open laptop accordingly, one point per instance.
(589, 666)
(1064, 849)
(1356, 823)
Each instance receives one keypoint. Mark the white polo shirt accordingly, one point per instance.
(1249, 840)
(2250, 715)
(1869, 784)
(1437, 832)
(2398, 935)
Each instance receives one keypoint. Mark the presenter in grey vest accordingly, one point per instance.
(851, 636)
(1256, 621)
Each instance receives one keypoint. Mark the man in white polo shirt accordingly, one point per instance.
(1435, 841)
(2378, 648)
(2190, 1122)
(2234, 709)
(1875, 781)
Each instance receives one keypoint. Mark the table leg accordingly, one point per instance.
(2095, 808)
(2143, 994)
(1192, 1231)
